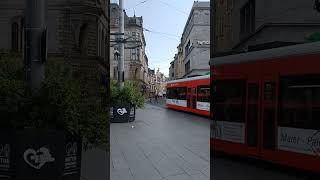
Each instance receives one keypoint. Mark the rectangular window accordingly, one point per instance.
(229, 100)
(115, 72)
(187, 48)
(187, 66)
(179, 93)
(203, 94)
(133, 54)
(247, 18)
(134, 35)
(138, 54)
(172, 93)
(182, 93)
(15, 37)
(299, 102)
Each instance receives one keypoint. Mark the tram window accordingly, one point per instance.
(229, 100)
(203, 93)
(177, 93)
(171, 93)
(299, 102)
(174, 93)
(182, 93)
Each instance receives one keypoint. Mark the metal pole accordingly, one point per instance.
(35, 32)
(121, 46)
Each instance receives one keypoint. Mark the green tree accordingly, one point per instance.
(130, 93)
(314, 37)
(75, 104)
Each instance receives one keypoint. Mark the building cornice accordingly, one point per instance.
(269, 25)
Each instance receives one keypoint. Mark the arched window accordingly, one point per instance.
(15, 37)
(136, 74)
(22, 40)
(115, 73)
(102, 43)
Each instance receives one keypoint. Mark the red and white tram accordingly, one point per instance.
(266, 105)
(190, 94)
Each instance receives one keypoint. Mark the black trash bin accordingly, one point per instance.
(122, 112)
(38, 154)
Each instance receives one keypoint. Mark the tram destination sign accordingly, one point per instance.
(305, 141)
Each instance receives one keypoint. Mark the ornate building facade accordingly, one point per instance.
(78, 34)
(136, 61)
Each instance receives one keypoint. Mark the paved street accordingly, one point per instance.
(160, 144)
(228, 167)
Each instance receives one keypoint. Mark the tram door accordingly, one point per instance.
(189, 97)
(252, 117)
(260, 115)
(268, 113)
(192, 98)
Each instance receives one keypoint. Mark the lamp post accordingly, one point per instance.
(121, 46)
(116, 57)
(36, 43)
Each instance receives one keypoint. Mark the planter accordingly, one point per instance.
(122, 112)
(37, 154)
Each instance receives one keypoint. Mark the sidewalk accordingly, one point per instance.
(160, 145)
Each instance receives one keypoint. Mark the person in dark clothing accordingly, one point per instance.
(156, 98)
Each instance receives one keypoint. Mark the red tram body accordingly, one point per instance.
(266, 105)
(190, 95)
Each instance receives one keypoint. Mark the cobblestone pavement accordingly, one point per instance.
(161, 144)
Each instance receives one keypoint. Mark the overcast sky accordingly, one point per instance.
(166, 18)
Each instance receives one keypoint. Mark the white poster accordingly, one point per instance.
(205, 106)
(304, 141)
(182, 103)
(229, 131)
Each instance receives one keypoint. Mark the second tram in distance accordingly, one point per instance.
(190, 95)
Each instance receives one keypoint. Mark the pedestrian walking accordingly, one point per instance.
(156, 98)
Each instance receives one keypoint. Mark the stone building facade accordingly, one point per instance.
(77, 30)
(156, 83)
(246, 25)
(195, 40)
(180, 65)
(136, 61)
(176, 69)
(221, 19)
(160, 80)
(151, 82)
(172, 75)
(77, 34)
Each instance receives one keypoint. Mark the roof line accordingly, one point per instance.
(190, 79)
(294, 50)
